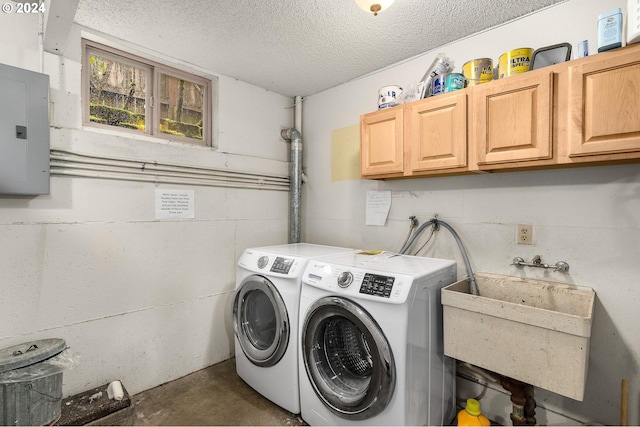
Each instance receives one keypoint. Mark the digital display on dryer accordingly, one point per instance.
(374, 284)
(282, 265)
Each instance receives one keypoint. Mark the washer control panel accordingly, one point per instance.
(358, 283)
(378, 285)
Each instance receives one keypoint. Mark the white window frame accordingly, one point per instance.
(152, 97)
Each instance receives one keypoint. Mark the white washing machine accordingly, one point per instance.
(371, 341)
(265, 318)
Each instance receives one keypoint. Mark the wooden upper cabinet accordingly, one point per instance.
(513, 119)
(382, 143)
(436, 133)
(585, 111)
(604, 104)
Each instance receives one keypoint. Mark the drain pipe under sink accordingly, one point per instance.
(522, 396)
(292, 135)
(522, 400)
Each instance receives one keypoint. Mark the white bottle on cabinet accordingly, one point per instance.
(633, 21)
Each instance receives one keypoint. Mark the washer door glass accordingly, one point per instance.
(260, 321)
(347, 358)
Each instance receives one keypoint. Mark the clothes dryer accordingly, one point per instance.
(265, 318)
(371, 341)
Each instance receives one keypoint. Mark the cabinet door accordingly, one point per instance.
(436, 129)
(381, 143)
(513, 119)
(604, 104)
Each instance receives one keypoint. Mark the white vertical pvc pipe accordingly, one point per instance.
(297, 112)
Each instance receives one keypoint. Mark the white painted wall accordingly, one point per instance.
(145, 301)
(585, 216)
(141, 300)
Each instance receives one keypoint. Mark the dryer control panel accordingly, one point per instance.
(282, 265)
(275, 265)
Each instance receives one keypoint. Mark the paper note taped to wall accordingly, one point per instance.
(172, 204)
(378, 205)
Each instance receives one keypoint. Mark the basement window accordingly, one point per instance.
(140, 96)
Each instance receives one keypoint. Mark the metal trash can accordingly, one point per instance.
(31, 385)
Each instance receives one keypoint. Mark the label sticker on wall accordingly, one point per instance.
(172, 204)
(378, 205)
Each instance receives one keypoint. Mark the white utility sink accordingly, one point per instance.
(534, 331)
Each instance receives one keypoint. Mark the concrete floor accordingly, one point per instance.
(212, 396)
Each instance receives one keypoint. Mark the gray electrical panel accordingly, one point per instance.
(24, 131)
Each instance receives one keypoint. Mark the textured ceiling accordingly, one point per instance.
(295, 47)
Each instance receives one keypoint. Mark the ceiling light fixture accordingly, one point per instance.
(374, 6)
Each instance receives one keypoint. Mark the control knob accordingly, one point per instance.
(345, 279)
(263, 261)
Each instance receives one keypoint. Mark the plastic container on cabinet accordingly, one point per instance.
(610, 30)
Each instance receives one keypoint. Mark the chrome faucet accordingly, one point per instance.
(560, 266)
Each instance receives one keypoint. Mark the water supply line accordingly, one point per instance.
(435, 222)
(412, 226)
(292, 135)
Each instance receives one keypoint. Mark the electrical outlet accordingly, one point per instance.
(524, 234)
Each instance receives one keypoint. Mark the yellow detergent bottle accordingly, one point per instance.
(471, 415)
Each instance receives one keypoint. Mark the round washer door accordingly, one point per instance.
(260, 321)
(347, 358)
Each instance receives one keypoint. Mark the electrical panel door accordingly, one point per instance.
(24, 131)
